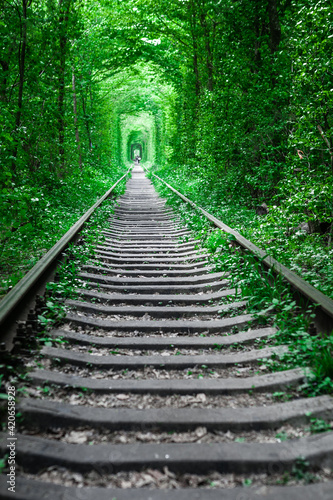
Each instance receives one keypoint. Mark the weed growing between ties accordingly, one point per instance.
(269, 297)
(300, 471)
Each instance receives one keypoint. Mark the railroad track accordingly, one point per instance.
(156, 390)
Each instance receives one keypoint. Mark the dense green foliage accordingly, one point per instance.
(55, 134)
(230, 100)
(306, 254)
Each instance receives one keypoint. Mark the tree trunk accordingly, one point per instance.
(86, 121)
(3, 82)
(23, 47)
(258, 28)
(195, 48)
(274, 26)
(64, 8)
(77, 135)
(209, 57)
(328, 143)
(21, 65)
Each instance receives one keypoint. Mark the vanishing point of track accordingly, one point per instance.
(154, 394)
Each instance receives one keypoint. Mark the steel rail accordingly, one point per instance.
(22, 292)
(324, 304)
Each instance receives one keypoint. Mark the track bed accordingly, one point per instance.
(158, 390)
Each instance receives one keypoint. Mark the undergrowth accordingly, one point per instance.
(76, 255)
(279, 232)
(34, 217)
(63, 287)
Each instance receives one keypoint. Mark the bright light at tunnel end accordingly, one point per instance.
(156, 41)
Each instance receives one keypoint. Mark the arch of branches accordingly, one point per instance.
(137, 140)
(136, 150)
